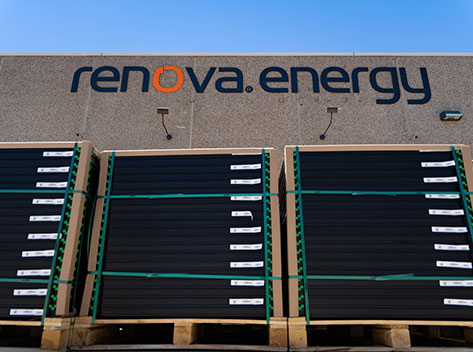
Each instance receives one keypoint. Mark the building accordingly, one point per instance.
(235, 100)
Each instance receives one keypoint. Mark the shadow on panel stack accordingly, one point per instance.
(46, 193)
(189, 238)
(379, 235)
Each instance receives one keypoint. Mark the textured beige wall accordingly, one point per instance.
(36, 103)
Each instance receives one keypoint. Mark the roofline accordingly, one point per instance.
(238, 54)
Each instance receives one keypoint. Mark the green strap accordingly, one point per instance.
(266, 282)
(376, 193)
(183, 275)
(59, 234)
(397, 277)
(182, 195)
(299, 189)
(462, 191)
(103, 235)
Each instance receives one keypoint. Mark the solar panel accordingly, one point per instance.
(379, 232)
(46, 193)
(186, 234)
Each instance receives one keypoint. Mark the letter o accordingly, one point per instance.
(160, 70)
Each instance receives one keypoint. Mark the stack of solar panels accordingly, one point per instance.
(45, 194)
(379, 232)
(185, 234)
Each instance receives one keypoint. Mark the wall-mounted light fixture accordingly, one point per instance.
(330, 110)
(450, 115)
(164, 111)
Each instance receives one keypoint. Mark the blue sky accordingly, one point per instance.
(236, 26)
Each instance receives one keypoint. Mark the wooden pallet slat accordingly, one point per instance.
(396, 336)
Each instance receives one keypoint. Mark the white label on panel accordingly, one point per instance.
(35, 272)
(246, 247)
(246, 264)
(53, 169)
(451, 247)
(451, 212)
(51, 184)
(246, 153)
(58, 154)
(254, 181)
(246, 167)
(246, 198)
(30, 292)
(239, 214)
(255, 283)
(458, 265)
(453, 283)
(34, 312)
(45, 253)
(433, 151)
(42, 236)
(246, 301)
(45, 217)
(438, 163)
(442, 196)
(458, 302)
(440, 179)
(56, 201)
(458, 229)
(256, 229)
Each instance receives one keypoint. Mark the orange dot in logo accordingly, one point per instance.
(160, 70)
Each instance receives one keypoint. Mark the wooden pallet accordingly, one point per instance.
(53, 335)
(188, 333)
(391, 333)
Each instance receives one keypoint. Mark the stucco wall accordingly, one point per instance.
(36, 103)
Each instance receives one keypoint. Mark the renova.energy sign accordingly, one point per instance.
(272, 79)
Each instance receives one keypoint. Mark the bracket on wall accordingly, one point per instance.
(164, 111)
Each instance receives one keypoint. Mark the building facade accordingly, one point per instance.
(235, 100)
